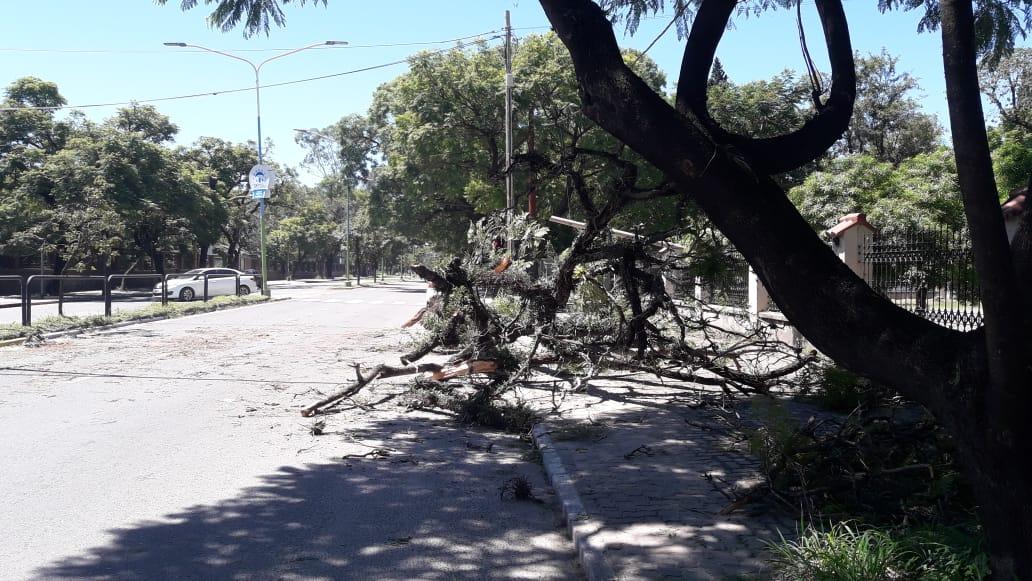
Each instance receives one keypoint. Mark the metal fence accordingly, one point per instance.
(729, 286)
(928, 272)
(102, 290)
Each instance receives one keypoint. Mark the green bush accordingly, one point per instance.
(844, 552)
(840, 390)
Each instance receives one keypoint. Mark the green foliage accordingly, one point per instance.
(887, 122)
(761, 108)
(440, 128)
(481, 410)
(487, 237)
(920, 192)
(96, 194)
(840, 553)
(1008, 86)
(839, 389)
(852, 552)
(1012, 159)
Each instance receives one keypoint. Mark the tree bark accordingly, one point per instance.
(1002, 417)
(967, 380)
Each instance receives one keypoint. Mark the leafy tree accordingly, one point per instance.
(976, 384)
(1008, 85)
(443, 143)
(345, 153)
(1012, 158)
(764, 108)
(28, 137)
(223, 168)
(921, 192)
(146, 121)
(887, 122)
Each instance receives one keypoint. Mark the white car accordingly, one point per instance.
(221, 281)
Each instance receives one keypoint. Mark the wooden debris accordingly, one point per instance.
(378, 372)
(467, 368)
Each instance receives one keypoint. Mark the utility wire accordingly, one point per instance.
(228, 91)
(680, 11)
(148, 51)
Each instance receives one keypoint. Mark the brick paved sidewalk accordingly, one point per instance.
(639, 469)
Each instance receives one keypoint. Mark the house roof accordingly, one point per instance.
(848, 221)
(1015, 204)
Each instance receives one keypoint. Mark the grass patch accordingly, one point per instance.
(56, 323)
(845, 552)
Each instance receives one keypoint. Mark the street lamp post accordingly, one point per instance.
(258, 105)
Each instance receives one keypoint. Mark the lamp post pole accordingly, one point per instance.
(258, 106)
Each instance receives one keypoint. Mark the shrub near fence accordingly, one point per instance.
(729, 286)
(927, 272)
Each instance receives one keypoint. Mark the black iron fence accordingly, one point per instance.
(728, 286)
(928, 272)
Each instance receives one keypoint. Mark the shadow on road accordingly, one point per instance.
(429, 509)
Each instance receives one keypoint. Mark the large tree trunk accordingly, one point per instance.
(202, 254)
(159, 261)
(1001, 418)
(358, 261)
(968, 380)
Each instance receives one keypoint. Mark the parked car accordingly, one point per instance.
(221, 281)
(257, 276)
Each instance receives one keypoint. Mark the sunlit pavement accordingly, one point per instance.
(175, 450)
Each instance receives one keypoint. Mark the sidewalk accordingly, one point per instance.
(639, 468)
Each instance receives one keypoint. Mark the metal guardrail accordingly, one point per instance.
(27, 296)
(22, 291)
(107, 287)
(24, 286)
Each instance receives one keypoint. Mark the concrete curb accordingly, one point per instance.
(81, 330)
(583, 529)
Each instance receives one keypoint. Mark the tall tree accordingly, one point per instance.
(29, 136)
(1008, 85)
(887, 120)
(443, 141)
(222, 167)
(921, 192)
(976, 384)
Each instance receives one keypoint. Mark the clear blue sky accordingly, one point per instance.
(111, 51)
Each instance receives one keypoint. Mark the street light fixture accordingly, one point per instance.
(258, 105)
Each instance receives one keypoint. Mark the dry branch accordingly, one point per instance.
(378, 372)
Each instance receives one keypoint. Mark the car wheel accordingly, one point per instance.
(243, 290)
(186, 295)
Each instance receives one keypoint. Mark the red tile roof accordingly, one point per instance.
(1015, 205)
(848, 221)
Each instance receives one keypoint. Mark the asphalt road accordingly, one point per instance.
(175, 450)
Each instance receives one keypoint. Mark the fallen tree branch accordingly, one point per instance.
(378, 372)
